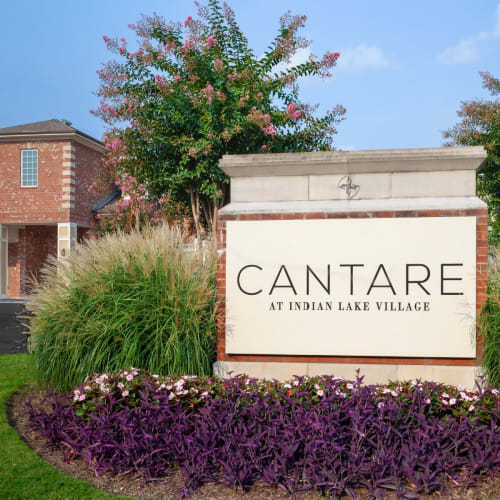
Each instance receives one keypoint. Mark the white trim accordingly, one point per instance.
(72, 241)
(383, 205)
(71, 136)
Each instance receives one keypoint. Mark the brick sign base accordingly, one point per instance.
(226, 359)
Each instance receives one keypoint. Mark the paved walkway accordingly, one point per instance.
(12, 337)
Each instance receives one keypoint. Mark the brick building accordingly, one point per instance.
(46, 169)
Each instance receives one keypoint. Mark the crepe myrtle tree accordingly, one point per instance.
(194, 91)
(480, 126)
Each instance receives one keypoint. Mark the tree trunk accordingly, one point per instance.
(195, 209)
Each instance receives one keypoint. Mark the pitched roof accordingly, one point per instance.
(45, 128)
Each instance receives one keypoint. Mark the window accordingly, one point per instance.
(29, 168)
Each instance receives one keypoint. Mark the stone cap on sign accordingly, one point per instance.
(350, 175)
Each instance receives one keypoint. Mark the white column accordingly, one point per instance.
(4, 266)
(66, 238)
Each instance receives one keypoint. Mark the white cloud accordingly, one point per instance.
(468, 49)
(300, 57)
(362, 57)
(351, 58)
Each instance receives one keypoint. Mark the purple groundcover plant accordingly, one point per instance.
(323, 433)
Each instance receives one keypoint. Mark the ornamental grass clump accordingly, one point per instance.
(144, 298)
(490, 324)
(325, 434)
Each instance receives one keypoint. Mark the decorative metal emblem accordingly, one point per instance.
(351, 189)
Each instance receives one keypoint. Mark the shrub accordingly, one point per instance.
(490, 324)
(142, 299)
(321, 433)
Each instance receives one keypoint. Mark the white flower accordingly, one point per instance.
(295, 383)
(471, 407)
(204, 393)
(395, 393)
(453, 401)
(171, 396)
(380, 405)
(349, 386)
(287, 386)
(155, 376)
(316, 386)
(125, 393)
(82, 397)
(461, 388)
(444, 402)
(444, 395)
(386, 391)
(129, 377)
(427, 401)
(495, 391)
(120, 385)
(163, 386)
(320, 392)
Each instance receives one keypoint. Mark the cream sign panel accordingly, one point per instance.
(365, 287)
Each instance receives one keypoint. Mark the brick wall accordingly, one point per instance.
(89, 168)
(481, 288)
(32, 204)
(37, 243)
(15, 262)
(66, 170)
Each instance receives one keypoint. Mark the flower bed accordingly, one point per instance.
(321, 433)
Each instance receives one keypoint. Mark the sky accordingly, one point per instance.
(403, 71)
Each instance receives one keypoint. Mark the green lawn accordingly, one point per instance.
(23, 474)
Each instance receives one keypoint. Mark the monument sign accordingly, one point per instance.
(334, 261)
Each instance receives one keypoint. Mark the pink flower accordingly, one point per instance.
(293, 112)
(177, 78)
(218, 65)
(120, 385)
(129, 377)
(211, 42)
(160, 80)
(125, 393)
(270, 130)
(187, 20)
(330, 58)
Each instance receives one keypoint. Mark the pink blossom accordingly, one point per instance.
(129, 377)
(330, 58)
(218, 65)
(293, 112)
(177, 78)
(125, 393)
(188, 43)
(187, 20)
(270, 130)
(160, 80)
(211, 42)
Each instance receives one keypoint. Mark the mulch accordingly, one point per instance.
(137, 486)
